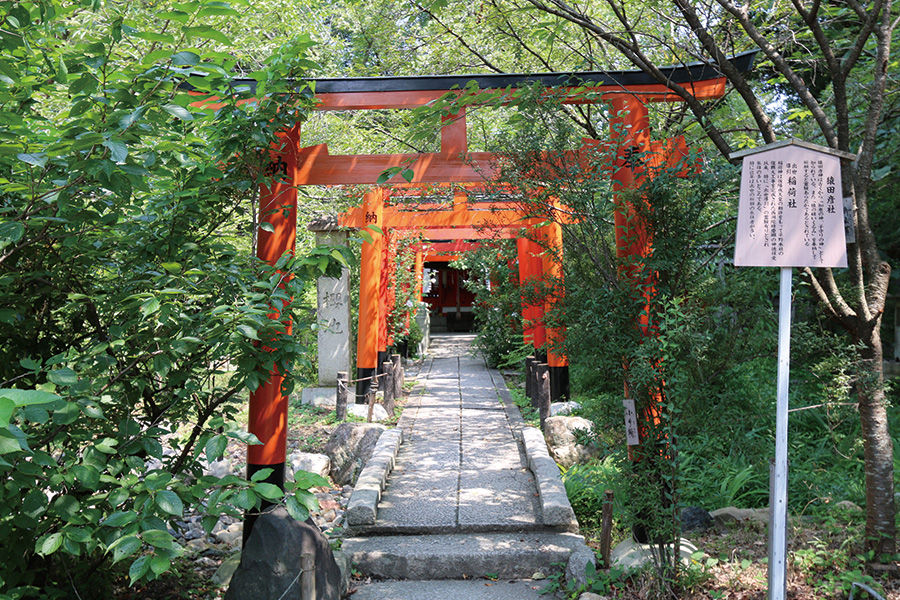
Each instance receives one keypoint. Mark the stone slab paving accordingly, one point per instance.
(459, 468)
(462, 501)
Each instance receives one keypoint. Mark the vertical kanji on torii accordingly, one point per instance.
(453, 165)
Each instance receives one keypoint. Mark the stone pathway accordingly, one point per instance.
(461, 501)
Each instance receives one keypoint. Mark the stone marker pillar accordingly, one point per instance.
(333, 318)
(333, 315)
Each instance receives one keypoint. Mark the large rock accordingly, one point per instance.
(560, 434)
(350, 447)
(320, 464)
(694, 517)
(730, 514)
(361, 411)
(631, 555)
(563, 408)
(270, 562)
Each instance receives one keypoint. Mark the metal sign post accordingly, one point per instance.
(790, 215)
(778, 507)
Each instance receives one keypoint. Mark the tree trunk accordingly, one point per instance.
(879, 452)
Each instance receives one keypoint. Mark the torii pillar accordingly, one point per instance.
(369, 330)
(556, 335)
(268, 405)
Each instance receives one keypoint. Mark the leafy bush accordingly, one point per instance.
(126, 221)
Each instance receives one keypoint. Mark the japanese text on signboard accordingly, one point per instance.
(789, 213)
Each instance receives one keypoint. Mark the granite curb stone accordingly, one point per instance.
(555, 504)
(446, 589)
(367, 492)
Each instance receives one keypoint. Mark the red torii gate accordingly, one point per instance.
(628, 92)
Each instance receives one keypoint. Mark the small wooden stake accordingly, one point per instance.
(307, 577)
(399, 376)
(340, 407)
(543, 387)
(606, 529)
(371, 404)
(390, 374)
(529, 379)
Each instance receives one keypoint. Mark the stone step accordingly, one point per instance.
(441, 590)
(460, 556)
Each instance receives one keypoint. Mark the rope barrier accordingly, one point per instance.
(367, 378)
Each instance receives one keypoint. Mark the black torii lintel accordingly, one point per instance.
(683, 74)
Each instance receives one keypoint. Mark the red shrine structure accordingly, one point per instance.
(457, 225)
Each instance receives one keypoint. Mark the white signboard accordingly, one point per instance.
(631, 426)
(791, 210)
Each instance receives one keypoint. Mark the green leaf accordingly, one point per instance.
(185, 58)
(169, 502)
(152, 36)
(125, 547)
(117, 497)
(119, 519)
(8, 442)
(179, 112)
(408, 175)
(174, 15)
(37, 159)
(244, 436)
(261, 475)
(295, 509)
(247, 331)
(62, 73)
(139, 568)
(66, 507)
(67, 414)
(149, 307)
(157, 480)
(208, 33)
(160, 564)
(269, 491)
(158, 538)
(63, 376)
(10, 233)
(171, 267)
(245, 499)
(215, 447)
(220, 9)
(306, 480)
(48, 544)
(7, 407)
(87, 476)
(118, 151)
(130, 119)
(35, 503)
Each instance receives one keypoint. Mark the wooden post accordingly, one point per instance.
(543, 383)
(399, 376)
(307, 577)
(371, 400)
(340, 406)
(389, 376)
(529, 379)
(606, 529)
